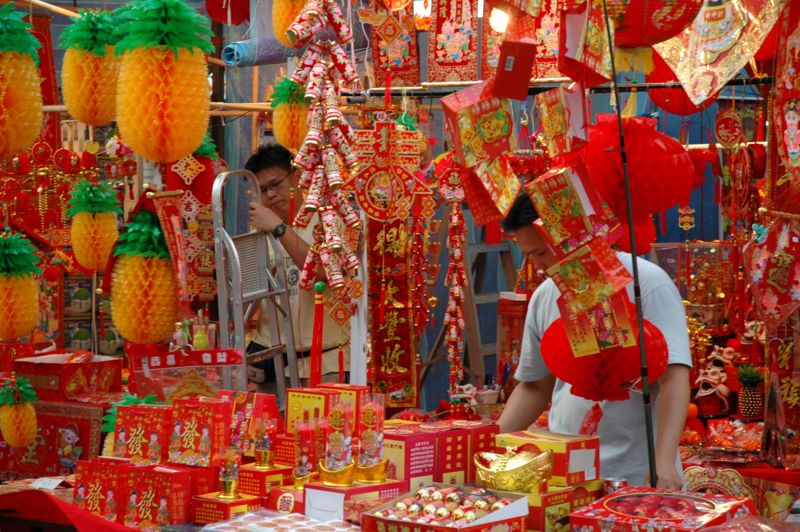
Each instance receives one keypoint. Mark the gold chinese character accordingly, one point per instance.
(30, 451)
(189, 435)
(94, 497)
(135, 441)
(390, 360)
(146, 505)
(779, 274)
(391, 301)
(390, 324)
(785, 353)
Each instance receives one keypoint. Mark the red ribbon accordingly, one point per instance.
(341, 363)
(315, 371)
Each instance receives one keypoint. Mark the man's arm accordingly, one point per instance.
(673, 400)
(265, 219)
(527, 402)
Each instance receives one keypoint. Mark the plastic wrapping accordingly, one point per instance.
(263, 51)
(757, 524)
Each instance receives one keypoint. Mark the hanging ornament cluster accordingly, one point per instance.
(457, 281)
(91, 68)
(289, 114)
(94, 208)
(18, 422)
(20, 85)
(19, 287)
(423, 268)
(144, 306)
(163, 95)
(327, 148)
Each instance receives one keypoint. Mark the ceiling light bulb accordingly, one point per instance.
(498, 20)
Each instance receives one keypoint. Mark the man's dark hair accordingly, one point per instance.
(270, 156)
(522, 213)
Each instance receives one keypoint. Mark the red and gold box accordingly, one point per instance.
(283, 449)
(209, 508)
(549, 511)
(327, 503)
(585, 493)
(411, 454)
(247, 409)
(141, 433)
(636, 508)
(352, 395)
(200, 431)
(154, 497)
(452, 448)
(56, 376)
(98, 486)
(576, 459)
(481, 438)
(316, 401)
(257, 482)
(67, 432)
(203, 479)
(285, 500)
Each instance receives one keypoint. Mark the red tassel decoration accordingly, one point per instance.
(291, 205)
(494, 234)
(341, 363)
(315, 371)
(591, 421)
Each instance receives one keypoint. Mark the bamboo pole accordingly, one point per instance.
(52, 8)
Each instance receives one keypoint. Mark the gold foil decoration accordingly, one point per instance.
(718, 44)
(520, 471)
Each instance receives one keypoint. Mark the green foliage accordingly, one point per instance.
(17, 256)
(171, 24)
(207, 148)
(87, 196)
(287, 91)
(110, 419)
(143, 236)
(15, 35)
(17, 391)
(91, 32)
(750, 376)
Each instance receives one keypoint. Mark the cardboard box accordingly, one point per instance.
(481, 436)
(549, 511)
(98, 486)
(56, 379)
(283, 449)
(285, 500)
(317, 401)
(209, 508)
(452, 448)
(200, 431)
(257, 482)
(510, 518)
(352, 395)
(142, 432)
(203, 479)
(668, 510)
(327, 503)
(586, 493)
(67, 432)
(576, 459)
(154, 497)
(411, 454)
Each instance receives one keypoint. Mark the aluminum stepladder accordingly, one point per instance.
(244, 278)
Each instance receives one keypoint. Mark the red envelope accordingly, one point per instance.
(514, 69)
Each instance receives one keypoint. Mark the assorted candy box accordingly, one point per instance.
(635, 508)
(268, 521)
(733, 435)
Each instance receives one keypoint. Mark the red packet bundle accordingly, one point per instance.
(571, 211)
(608, 325)
(200, 430)
(154, 497)
(141, 433)
(563, 114)
(247, 410)
(589, 275)
(98, 486)
(584, 51)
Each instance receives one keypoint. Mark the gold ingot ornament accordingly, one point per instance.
(516, 470)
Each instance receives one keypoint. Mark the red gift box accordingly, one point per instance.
(481, 436)
(411, 454)
(98, 486)
(258, 482)
(155, 496)
(200, 431)
(68, 432)
(452, 448)
(247, 409)
(514, 69)
(283, 449)
(141, 433)
(635, 508)
(11, 351)
(202, 479)
(316, 401)
(352, 395)
(209, 508)
(57, 379)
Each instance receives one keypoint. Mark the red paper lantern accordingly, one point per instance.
(647, 22)
(605, 375)
(645, 231)
(673, 101)
(660, 170)
(228, 11)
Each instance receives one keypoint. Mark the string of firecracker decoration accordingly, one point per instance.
(456, 279)
(423, 272)
(326, 154)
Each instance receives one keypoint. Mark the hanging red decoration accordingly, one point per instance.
(673, 101)
(645, 231)
(646, 22)
(660, 170)
(768, 49)
(607, 375)
(231, 12)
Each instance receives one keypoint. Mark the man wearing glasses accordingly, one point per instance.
(272, 166)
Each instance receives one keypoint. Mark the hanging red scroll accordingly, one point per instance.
(453, 41)
(394, 43)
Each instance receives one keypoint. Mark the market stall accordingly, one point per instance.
(275, 311)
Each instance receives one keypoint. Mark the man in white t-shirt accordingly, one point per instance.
(623, 440)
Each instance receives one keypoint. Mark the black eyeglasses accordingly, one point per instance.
(275, 186)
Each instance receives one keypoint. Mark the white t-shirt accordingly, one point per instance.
(623, 440)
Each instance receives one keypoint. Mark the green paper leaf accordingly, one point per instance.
(18, 393)
(92, 32)
(171, 24)
(142, 236)
(287, 91)
(17, 256)
(110, 419)
(15, 35)
(93, 197)
(207, 148)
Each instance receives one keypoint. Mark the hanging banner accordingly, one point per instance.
(453, 41)
(724, 36)
(170, 214)
(394, 43)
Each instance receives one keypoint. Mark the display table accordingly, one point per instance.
(32, 509)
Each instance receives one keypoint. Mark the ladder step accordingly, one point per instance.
(488, 350)
(485, 299)
(477, 249)
(266, 354)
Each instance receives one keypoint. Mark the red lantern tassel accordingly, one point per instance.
(382, 310)
(591, 421)
(341, 363)
(315, 371)
(291, 206)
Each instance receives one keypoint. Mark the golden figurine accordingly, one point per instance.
(516, 470)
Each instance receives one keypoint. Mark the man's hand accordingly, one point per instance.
(668, 476)
(263, 218)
